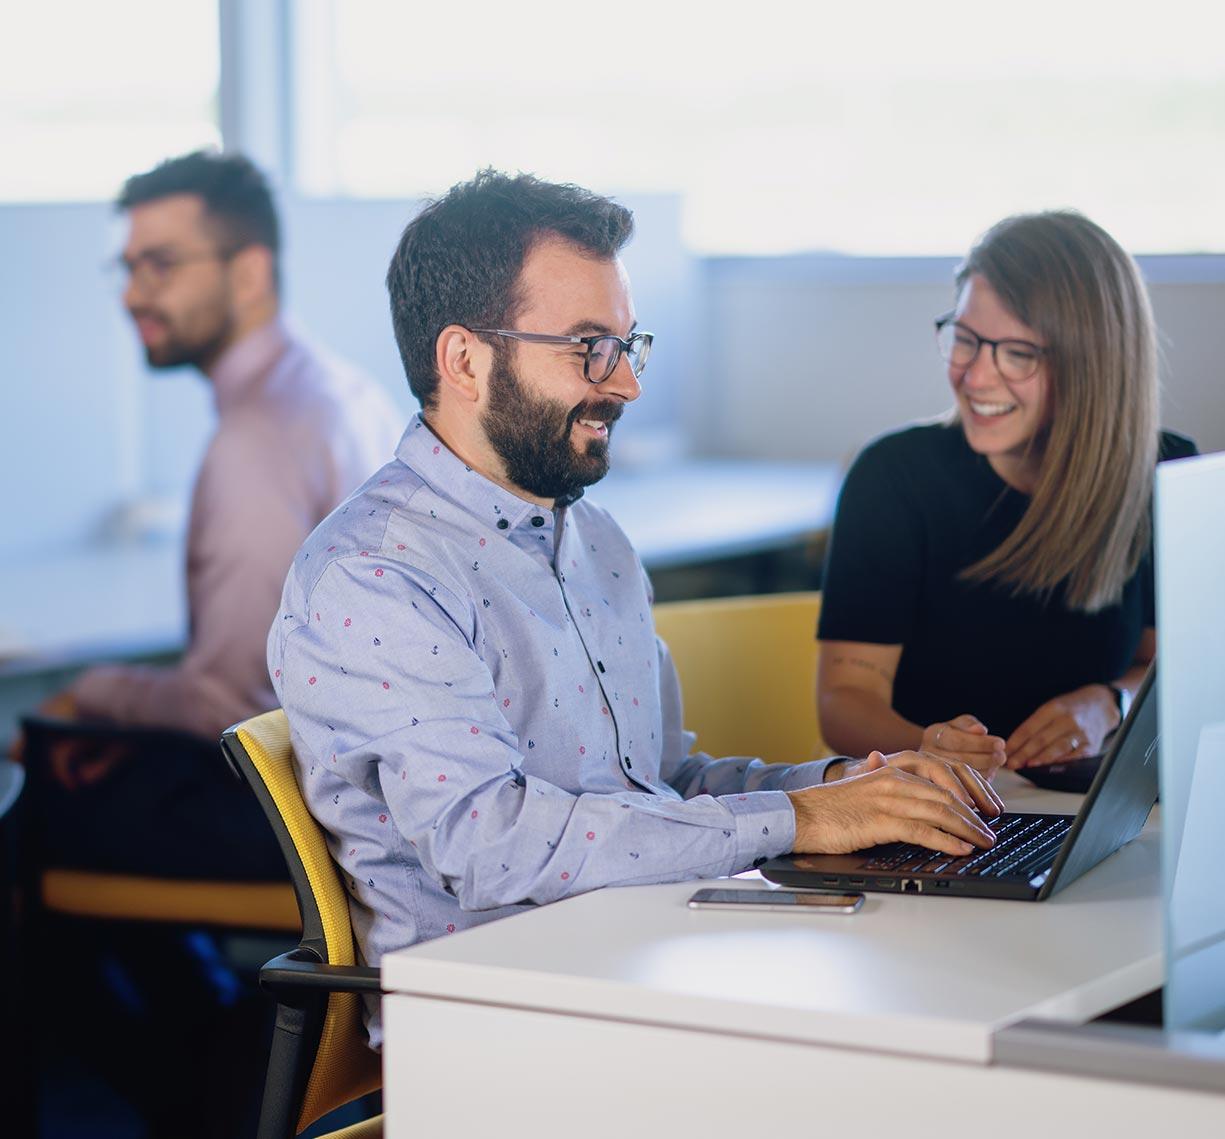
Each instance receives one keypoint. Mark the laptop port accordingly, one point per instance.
(940, 884)
(857, 881)
(886, 883)
(829, 881)
(910, 886)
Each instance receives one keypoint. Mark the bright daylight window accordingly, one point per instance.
(91, 92)
(787, 125)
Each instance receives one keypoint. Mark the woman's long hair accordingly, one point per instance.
(1087, 525)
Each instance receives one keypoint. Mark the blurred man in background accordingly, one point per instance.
(158, 1012)
(297, 430)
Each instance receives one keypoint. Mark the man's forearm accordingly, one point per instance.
(151, 696)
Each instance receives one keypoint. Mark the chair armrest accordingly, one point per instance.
(296, 971)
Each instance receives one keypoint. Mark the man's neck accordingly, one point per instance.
(247, 324)
(479, 457)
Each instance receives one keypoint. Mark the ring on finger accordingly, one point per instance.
(1074, 742)
(939, 733)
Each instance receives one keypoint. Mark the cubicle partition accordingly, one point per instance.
(1191, 690)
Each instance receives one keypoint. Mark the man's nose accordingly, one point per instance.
(133, 290)
(622, 383)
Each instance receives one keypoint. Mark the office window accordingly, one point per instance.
(891, 128)
(90, 92)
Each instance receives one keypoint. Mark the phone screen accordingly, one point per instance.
(795, 901)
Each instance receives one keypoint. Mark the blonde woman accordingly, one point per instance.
(989, 586)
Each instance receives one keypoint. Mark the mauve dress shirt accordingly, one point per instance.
(483, 717)
(297, 430)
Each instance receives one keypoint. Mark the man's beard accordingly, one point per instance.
(531, 436)
(176, 350)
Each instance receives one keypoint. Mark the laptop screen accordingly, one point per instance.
(1190, 552)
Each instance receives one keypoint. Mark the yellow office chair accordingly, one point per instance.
(264, 906)
(748, 669)
(319, 1057)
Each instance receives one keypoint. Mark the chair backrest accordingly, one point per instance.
(343, 1066)
(748, 670)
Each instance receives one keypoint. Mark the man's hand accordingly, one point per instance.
(907, 797)
(1069, 727)
(965, 738)
(74, 763)
(82, 763)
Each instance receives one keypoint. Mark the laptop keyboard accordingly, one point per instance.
(1023, 845)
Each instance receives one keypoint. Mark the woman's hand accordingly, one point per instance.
(965, 739)
(1070, 726)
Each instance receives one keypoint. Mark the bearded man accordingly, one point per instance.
(481, 712)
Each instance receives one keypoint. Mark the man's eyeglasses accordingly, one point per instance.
(602, 355)
(1015, 360)
(152, 270)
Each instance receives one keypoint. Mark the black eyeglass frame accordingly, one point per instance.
(155, 271)
(589, 342)
(1038, 350)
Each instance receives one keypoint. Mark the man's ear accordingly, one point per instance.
(252, 275)
(462, 361)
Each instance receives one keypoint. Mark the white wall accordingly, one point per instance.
(813, 356)
(787, 358)
(87, 432)
(68, 424)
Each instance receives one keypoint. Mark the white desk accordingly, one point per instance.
(111, 602)
(128, 599)
(701, 510)
(623, 1012)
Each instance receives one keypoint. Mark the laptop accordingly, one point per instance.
(1034, 856)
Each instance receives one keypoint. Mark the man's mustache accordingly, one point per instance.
(601, 410)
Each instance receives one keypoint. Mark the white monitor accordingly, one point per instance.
(1190, 563)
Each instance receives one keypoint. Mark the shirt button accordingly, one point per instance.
(502, 524)
(537, 520)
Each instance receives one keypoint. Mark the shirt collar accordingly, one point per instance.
(450, 477)
(243, 364)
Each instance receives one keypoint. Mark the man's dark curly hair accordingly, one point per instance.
(459, 260)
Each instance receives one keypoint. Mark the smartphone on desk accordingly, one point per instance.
(776, 901)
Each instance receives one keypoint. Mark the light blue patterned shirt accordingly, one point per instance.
(483, 716)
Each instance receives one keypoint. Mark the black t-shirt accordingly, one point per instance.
(918, 506)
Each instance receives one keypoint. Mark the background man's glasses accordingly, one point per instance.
(603, 353)
(1015, 360)
(152, 271)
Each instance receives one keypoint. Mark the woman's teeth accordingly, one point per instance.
(990, 409)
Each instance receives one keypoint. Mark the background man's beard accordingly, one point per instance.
(175, 352)
(531, 436)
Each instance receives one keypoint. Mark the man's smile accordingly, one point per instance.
(596, 427)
